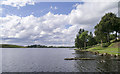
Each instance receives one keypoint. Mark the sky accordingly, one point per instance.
(27, 22)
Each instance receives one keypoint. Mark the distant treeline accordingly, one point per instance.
(43, 46)
(31, 46)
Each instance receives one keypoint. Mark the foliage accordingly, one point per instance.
(79, 42)
(43, 46)
(10, 46)
(111, 49)
(83, 39)
(108, 24)
(104, 32)
(106, 44)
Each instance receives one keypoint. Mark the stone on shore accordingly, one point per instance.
(79, 59)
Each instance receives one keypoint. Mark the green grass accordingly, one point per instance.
(111, 49)
(76, 49)
(10, 46)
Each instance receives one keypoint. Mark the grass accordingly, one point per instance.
(111, 49)
(10, 46)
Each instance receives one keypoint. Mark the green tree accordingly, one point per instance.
(91, 40)
(78, 41)
(116, 25)
(84, 36)
(112, 36)
(107, 23)
(99, 34)
(105, 27)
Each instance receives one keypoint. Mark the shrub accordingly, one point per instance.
(106, 44)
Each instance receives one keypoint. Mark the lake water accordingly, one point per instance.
(52, 60)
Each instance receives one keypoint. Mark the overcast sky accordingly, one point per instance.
(26, 22)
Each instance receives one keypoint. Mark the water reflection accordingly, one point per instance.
(100, 64)
(52, 60)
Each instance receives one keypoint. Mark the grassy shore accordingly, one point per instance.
(10, 46)
(113, 48)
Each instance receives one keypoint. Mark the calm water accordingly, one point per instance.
(52, 60)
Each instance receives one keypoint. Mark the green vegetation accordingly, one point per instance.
(10, 46)
(43, 46)
(106, 27)
(106, 39)
(31, 46)
(83, 39)
(113, 48)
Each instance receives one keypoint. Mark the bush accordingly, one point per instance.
(106, 44)
(88, 47)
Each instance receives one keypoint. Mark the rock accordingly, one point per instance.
(111, 55)
(102, 61)
(116, 55)
(101, 54)
(96, 53)
(105, 54)
(79, 58)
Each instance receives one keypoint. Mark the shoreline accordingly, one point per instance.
(112, 50)
(99, 53)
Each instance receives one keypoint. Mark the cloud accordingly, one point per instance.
(53, 8)
(1, 10)
(18, 3)
(50, 29)
(100, 0)
(76, 5)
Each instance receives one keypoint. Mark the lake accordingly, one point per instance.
(52, 60)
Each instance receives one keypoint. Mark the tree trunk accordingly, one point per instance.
(116, 36)
(119, 35)
(84, 45)
(101, 43)
(108, 38)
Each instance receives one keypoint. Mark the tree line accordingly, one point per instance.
(107, 29)
(44, 46)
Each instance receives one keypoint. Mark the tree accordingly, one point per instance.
(107, 23)
(79, 42)
(99, 33)
(83, 36)
(116, 25)
(105, 27)
(112, 36)
(119, 27)
(91, 40)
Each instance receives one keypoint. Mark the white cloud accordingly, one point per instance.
(100, 0)
(1, 10)
(76, 5)
(90, 12)
(53, 8)
(50, 29)
(18, 3)
(56, 8)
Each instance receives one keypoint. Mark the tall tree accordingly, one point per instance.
(91, 40)
(100, 35)
(105, 26)
(107, 22)
(78, 41)
(84, 37)
(116, 25)
(119, 27)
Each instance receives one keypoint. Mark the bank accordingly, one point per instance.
(112, 49)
